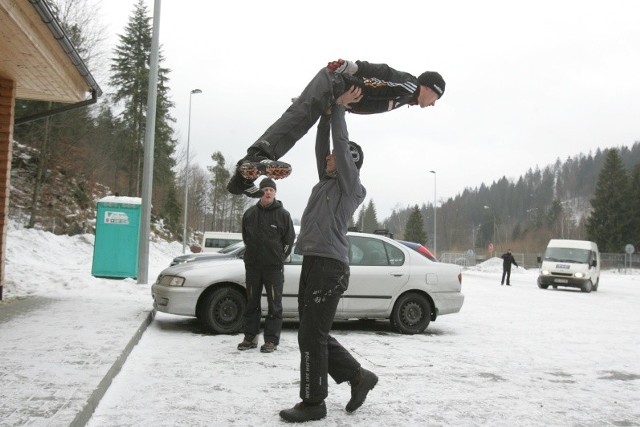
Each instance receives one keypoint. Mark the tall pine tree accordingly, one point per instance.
(368, 219)
(414, 230)
(130, 78)
(608, 224)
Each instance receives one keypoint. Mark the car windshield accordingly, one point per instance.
(567, 255)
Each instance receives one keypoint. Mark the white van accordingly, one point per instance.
(213, 241)
(571, 263)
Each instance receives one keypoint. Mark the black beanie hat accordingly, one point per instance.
(433, 81)
(268, 182)
(356, 154)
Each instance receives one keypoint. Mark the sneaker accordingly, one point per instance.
(248, 344)
(304, 412)
(239, 185)
(360, 387)
(252, 166)
(268, 347)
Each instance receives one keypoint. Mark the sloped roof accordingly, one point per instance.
(36, 54)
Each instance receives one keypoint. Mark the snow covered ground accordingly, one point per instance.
(514, 355)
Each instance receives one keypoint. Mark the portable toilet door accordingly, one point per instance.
(115, 251)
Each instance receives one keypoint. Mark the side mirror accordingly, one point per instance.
(594, 263)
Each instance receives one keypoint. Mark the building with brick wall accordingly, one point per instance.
(37, 62)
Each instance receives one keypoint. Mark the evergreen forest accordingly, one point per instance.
(592, 196)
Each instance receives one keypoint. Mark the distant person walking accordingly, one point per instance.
(507, 260)
(268, 234)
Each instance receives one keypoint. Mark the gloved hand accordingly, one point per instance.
(343, 66)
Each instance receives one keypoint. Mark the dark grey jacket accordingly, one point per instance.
(335, 198)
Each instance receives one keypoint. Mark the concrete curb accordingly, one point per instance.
(83, 417)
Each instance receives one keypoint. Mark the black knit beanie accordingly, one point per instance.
(356, 154)
(268, 182)
(433, 81)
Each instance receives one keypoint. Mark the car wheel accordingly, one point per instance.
(542, 286)
(595, 287)
(555, 286)
(587, 286)
(411, 314)
(222, 311)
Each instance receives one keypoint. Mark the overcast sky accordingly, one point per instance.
(527, 83)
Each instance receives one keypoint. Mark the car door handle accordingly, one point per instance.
(397, 274)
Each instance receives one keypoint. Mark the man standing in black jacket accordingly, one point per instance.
(383, 89)
(507, 260)
(268, 234)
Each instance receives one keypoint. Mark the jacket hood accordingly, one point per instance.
(275, 205)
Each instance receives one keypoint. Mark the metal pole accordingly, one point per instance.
(493, 238)
(435, 234)
(495, 242)
(186, 176)
(149, 146)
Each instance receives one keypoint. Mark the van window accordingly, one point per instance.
(213, 241)
(216, 243)
(580, 256)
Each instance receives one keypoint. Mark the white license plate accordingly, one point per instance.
(561, 280)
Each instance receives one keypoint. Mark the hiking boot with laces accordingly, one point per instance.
(268, 347)
(304, 412)
(239, 185)
(248, 344)
(363, 382)
(254, 165)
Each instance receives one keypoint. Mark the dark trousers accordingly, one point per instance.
(272, 280)
(506, 271)
(303, 113)
(322, 283)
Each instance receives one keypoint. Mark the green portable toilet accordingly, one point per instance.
(115, 251)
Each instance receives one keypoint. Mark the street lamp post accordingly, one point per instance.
(435, 235)
(186, 175)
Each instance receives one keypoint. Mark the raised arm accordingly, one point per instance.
(348, 174)
(323, 148)
(322, 143)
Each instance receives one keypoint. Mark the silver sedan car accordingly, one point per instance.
(388, 281)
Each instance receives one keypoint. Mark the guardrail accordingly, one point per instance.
(618, 261)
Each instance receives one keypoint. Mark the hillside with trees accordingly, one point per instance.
(585, 197)
(105, 143)
(64, 163)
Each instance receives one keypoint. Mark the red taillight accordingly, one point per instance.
(424, 251)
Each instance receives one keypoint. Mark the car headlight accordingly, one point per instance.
(545, 272)
(579, 275)
(171, 281)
